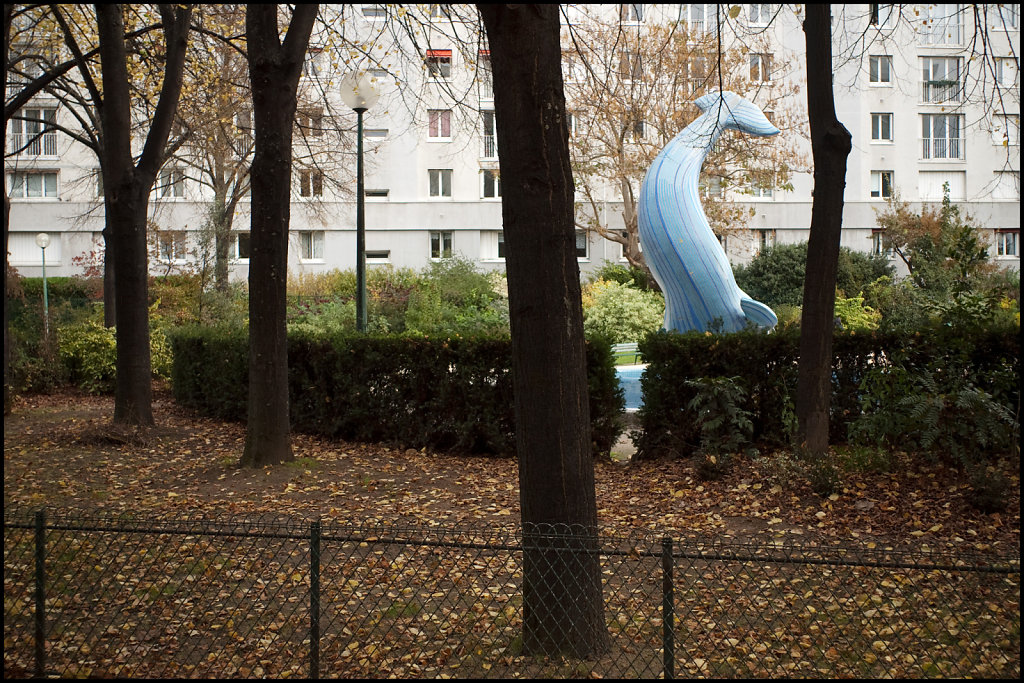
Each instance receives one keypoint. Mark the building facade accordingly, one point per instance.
(928, 104)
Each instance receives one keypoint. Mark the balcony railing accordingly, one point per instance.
(941, 91)
(33, 144)
(942, 148)
(486, 89)
(490, 147)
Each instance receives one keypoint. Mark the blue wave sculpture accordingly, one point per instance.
(682, 251)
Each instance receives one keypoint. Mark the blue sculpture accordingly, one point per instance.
(682, 251)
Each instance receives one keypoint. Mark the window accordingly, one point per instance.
(941, 80)
(1007, 185)
(375, 11)
(710, 186)
(439, 64)
(439, 124)
(765, 238)
(697, 68)
(170, 183)
(760, 189)
(724, 241)
(882, 15)
(377, 74)
(630, 66)
(941, 136)
(376, 193)
(439, 11)
(1006, 242)
(881, 127)
(313, 66)
(1006, 130)
(440, 182)
(492, 245)
(1004, 16)
(485, 75)
(240, 247)
(310, 122)
(375, 133)
(33, 134)
(489, 131)
(441, 244)
(582, 245)
(171, 245)
(243, 133)
(99, 183)
(881, 184)
(572, 69)
(311, 245)
(633, 127)
(880, 243)
(759, 15)
(880, 69)
(1005, 71)
(378, 255)
(311, 183)
(697, 17)
(491, 180)
(760, 67)
(931, 184)
(631, 13)
(943, 24)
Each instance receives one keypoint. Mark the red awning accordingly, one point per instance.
(439, 53)
(485, 53)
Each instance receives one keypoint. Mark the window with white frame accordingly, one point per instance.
(240, 246)
(439, 124)
(631, 13)
(701, 18)
(485, 74)
(710, 186)
(1004, 16)
(630, 66)
(440, 182)
(764, 238)
(33, 133)
(1005, 71)
(490, 183)
(314, 64)
(697, 72)
(930, 185)
(1006, 130)
(880, 245)
(1007, 185)
(244, 140)
(492, 245)
(943, 24)
(171, 246)
(724, 241)
(633, 127)
(942, 136)
(582, 245)
(311, 245)
(170, 183)
(311, 183)
(760, 67)
(1006, 243)
(439, 11)
(883, 15)
(622, 247)
(378, 256)
(375, 134)
(98, 175)
(881, 184)
(376, 193)
(941, 79)
(881, 127)
(760, 188)
(375, 11)
(880, 70)
(759, 15)
(439, 64)
(489, 135)
(441, 244)
(310, 122)
(32, 184)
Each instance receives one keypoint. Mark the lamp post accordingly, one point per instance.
(43, 241)
(358, 93)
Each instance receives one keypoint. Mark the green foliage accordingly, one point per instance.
(624, 275)
(853, 314)
(724, 424)
(621, 313)
(446, 394)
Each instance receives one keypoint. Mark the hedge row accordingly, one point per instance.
(450, 395)
(987, 359)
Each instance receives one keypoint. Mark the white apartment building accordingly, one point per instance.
(925, 102)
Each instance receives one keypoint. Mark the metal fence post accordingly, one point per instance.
(668, 617)
(314, 599)
(40, 616)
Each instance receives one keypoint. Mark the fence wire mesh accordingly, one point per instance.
(107, 596)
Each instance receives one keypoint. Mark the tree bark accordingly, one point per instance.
(274, 69)
(563, 610)
(830, 145)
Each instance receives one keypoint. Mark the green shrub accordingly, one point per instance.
(621, 313)
(88, 352)
(725, 426)
(854, 315)
(631, 276)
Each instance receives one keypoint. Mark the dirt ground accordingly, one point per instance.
(61, 451)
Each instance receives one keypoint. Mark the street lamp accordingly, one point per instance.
(358, 92)
(43, 241)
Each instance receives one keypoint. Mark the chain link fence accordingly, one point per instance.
(103, 596)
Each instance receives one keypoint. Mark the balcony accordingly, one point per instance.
(490, 147)
(34, 144)
(942, 148)
(938, 92)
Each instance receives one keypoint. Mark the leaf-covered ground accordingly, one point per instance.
(61, 451)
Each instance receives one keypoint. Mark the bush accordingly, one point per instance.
(445, 394)
(621, 313)
(724, 424)
(631, 276)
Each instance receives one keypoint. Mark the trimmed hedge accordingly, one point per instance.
(988, 359)
(444, 394)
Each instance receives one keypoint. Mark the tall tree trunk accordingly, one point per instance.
(830, 145)
(127, 186)
(274, 69)
(109, 280)
(563, 606)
